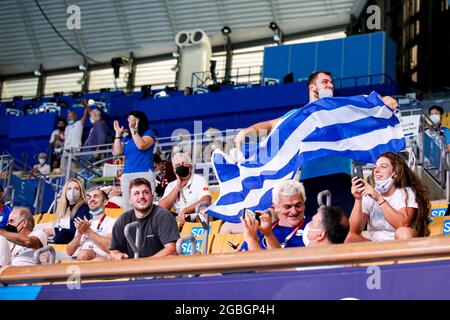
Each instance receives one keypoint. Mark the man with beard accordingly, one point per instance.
(93, 237)
(158, 225)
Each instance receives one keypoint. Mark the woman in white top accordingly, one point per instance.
(396, 207)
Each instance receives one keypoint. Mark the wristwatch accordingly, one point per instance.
(135, 131)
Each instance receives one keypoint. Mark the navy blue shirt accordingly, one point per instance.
(281, 233)
(138, 160)
(64, 236)
(4, 216)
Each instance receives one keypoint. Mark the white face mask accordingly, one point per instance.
(306, 240)
(41, 161)
(436, 119)
(73, 195)
(382, 186)
(92, 121)
(325, 93)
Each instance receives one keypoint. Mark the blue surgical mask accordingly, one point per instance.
(96, 212)
(70, 122)
(382, 186)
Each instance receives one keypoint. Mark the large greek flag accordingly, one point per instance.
(359, 127)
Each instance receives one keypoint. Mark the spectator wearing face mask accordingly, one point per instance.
(326, 173)
(5, 211)
(187, 190)
(328, 226)
(397, 206)
(436, 113)
(164, 174)
(42, 167)
(93, 237)
(18, 241)
(71, 205)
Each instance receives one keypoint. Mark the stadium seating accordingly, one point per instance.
(197, 230)
(225, 243)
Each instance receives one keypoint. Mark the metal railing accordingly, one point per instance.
(242, 75)
(351, 254)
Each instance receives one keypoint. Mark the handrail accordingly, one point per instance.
(431, 247)
(188, 238)
(39, 252)
(134, 243)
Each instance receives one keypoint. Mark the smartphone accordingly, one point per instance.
(256, 215)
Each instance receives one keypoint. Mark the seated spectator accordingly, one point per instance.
(57, 144)
(329, 226)
(159, 228)
(71, 205)
(163, 174)
(23, 241)
(289, 204)
(436, 113)
(5, 211)
(187, 190)
(42, 167)
(188, 91)
(93, 237)
(396, 208)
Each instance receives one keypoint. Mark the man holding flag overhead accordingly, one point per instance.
(359, 127)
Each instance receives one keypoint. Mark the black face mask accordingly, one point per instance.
(11, 228)
(182, 171)
(61, 128)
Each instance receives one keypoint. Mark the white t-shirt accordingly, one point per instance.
(73, 135)
(104, 230)
(378, 227)
(23, 256)
(196, 188)
(45, 169)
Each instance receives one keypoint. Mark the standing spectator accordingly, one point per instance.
(57, 144)
(93, 238)
(5, 211)
(159, 228)
(41, 167)
(97, 134)
(164, 174)
(187, 190)
(23, 241)
(71, 205)
(326, 173)
(73, 133)
(289, 203)
(396, 208)
(138, 152)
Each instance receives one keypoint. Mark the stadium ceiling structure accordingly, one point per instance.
(110, 28)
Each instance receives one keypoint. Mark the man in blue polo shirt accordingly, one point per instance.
(327, 173)
(4, 210)
(288, 199)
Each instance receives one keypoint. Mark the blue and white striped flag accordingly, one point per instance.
(359, 127)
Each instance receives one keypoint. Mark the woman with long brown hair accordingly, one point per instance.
(396, 206)
(71, 204)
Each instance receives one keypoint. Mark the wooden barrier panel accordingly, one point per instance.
(431, 247)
